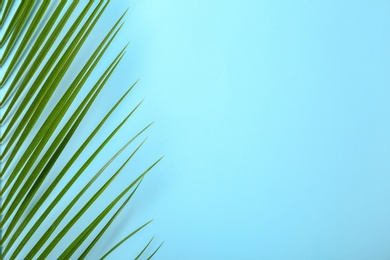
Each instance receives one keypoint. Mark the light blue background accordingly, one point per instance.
(274, 120)
(273, 117)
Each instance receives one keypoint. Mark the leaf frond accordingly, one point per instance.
(44, 194)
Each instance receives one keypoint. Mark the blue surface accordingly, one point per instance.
(274, 120)
(273, 117)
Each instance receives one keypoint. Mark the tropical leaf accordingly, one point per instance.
(42, 109)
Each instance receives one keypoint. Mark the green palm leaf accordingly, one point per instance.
(39, 43)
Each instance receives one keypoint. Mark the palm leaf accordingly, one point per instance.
(40, 42)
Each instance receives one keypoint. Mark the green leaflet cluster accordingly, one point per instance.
(32, 71)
